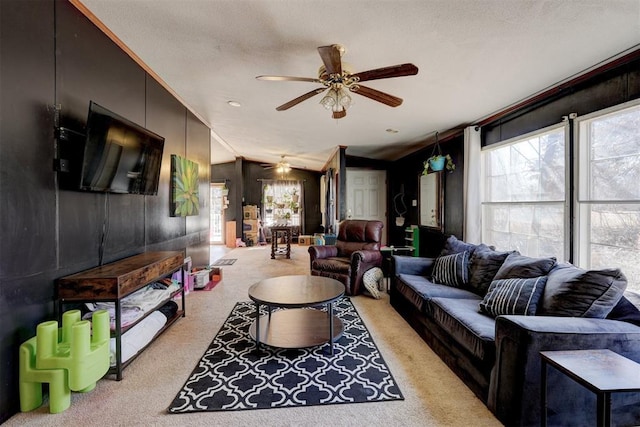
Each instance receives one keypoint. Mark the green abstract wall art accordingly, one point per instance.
(184, 187)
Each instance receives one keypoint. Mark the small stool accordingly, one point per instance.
(73, 363)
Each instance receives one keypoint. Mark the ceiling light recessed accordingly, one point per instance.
(390, 130)
(234, 103)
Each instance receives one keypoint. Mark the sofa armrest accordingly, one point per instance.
(323, 251)
(514, 392)
(417, 266)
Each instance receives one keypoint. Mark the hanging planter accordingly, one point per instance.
(438, 161)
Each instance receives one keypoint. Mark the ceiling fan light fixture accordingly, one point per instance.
(283, 168)
(337, 100)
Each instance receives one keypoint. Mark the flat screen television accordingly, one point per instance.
(119, 155)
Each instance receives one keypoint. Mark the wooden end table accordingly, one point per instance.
(285, 231)
(387, 252)
(601, 371)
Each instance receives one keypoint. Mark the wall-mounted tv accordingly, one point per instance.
(119, 156)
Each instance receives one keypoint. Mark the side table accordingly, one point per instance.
(285, 232)
(601, 371)
(386, 252)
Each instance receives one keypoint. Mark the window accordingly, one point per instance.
(524, 194)
(282, 202)
(608, 208)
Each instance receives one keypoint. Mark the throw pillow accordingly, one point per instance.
(518, 266)
(572, 291)
(455, 246)
(627, 309)
(513, 296)
(451, 270)
(485, 264)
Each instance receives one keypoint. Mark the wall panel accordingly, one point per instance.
(90, 67)
(27, 181)
(51, 54)
(166, 117)
(198, 149)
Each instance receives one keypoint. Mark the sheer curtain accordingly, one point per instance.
(472, 175)
(283, 202)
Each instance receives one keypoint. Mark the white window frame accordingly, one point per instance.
(582, 223)
(566, 202)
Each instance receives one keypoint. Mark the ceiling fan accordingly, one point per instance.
(336, 76)
(282, 167)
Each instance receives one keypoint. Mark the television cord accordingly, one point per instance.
(105, 230)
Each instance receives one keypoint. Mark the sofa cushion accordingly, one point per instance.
(455, 246)
(471, 329)
(518, 266)
(513, 296)
(419, 289)
(452, 270)
(484, 265)
(575, 292)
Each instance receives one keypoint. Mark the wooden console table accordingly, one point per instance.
(601, 371)
(284, 231)
(112, 282)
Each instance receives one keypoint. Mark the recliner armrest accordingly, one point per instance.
(325, 251)
(367, 256)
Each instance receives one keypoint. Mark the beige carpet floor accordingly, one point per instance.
(434, 396)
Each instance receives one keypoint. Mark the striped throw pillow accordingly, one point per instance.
(513, 296)
(451, 270)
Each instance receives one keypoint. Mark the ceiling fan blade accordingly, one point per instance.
(387, 72)
(289, 79)
(331, 58)
(301, 98)
(376, 95)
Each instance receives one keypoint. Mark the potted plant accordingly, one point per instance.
(294, 206)
(294, 195)
(438, 161)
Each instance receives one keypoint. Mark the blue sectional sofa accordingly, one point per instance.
(462, 303)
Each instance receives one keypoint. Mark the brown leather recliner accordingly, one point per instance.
(357, 249)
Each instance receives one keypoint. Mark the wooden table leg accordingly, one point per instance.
(288, 239)
(274, 244)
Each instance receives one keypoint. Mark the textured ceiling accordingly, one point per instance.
(475, 57)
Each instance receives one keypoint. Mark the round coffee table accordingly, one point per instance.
(300, 325)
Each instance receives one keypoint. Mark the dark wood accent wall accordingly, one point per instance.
(590, 93)
(53, 55)
(404, 175)
(251, 189)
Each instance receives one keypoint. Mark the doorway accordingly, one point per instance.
(216, 232)
(367, 195)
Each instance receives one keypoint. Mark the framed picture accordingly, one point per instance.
(184, 200)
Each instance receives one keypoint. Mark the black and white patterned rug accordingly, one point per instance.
(231, 376)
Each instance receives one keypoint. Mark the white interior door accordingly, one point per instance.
(367, 196)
